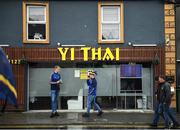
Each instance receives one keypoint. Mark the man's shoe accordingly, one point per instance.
(56, 114)
(167, 127)
(100, 113)
(52, 115)
(153, 125)
(85, 115)
(175, 126)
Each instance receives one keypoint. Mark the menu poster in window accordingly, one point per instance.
(84, 74)
(76, 73)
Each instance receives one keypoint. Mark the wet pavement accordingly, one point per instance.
(74, 120)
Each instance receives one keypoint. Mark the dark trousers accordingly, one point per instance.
(161, 110)
(172, 116)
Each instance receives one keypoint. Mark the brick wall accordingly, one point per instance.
(170, 59)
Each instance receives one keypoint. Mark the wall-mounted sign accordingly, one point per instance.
(90, 53)
(16, 61)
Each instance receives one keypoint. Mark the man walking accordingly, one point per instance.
(92, 84)
(55, 81)
(163, 102)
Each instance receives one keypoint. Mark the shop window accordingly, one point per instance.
(35, 22)
(131, 86)
(131, 78)
(131, 71)
(110, 22)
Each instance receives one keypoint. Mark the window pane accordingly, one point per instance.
(131, 70)
(131, 85)
(110, 32)
(111, 14)
(37, 31)
(36, 13)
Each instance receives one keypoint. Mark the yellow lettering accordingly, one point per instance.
(108, 55)
(63, 53)
(85, 52)
(117, 54)
(72, 53)
(15, 61)
(94, 53)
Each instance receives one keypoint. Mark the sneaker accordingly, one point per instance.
(56, 114)
(100, 113)
(85, 115)
(52, 115)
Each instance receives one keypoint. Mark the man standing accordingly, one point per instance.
(163, 101)
(55, 81)
(92, 84)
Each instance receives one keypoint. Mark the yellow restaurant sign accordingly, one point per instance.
(96, 53)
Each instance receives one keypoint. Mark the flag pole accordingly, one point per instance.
(5, 104)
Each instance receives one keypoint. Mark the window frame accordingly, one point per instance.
(26, 6)
(121, 22)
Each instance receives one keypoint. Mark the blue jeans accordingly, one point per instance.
(92, 99)
(166, 115)
(54, 100)
(171, 115)
(162, 110)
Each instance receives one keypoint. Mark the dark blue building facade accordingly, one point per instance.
(131, 29)
(76, 22)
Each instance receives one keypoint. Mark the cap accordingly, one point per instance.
(93, 73)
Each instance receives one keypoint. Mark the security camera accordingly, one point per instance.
(58, 44)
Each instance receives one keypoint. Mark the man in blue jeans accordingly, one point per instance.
(55, 81)
(163, 102)
(91, 99)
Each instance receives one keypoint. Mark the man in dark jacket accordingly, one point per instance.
(163, 104)
(163, 101)
(92, 84)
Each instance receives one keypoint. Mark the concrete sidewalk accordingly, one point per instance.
(75, 119)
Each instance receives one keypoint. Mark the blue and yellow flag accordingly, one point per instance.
(7, 82)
